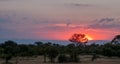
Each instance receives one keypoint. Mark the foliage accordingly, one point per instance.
(116, 40)
(79, 38)
(68, 53)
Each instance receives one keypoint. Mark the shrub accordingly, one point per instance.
(63, 58)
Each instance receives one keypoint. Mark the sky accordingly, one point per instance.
(59, 19)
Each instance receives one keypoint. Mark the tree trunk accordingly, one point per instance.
(45, 58)
(16, 60)
(6, 61)
(51, 60)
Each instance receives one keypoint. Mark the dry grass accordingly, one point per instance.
(84, 60)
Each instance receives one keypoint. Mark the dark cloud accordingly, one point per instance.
(78, 5)
(104, 20)
(105, 23)
(55, 28)
(44, 21)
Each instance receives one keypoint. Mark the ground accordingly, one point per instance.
(84, 60)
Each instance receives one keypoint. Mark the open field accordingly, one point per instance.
(84, 60)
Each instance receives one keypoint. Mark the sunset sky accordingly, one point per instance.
(59, 19)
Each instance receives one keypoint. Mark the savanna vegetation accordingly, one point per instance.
(58, 53)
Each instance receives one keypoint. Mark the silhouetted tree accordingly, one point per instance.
(79, 39)
(9, 50)
(73, 52)
(39, 43)
(109, 50)
(46, 47)
(116, 39)
(52, 53)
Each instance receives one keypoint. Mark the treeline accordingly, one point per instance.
(70, 53)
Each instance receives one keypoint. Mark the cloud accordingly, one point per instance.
(106, 23)
(107, 19)
(23, 26)
(64, 27)
(78, 5)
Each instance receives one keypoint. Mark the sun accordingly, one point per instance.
(89, 38)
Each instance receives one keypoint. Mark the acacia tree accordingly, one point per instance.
(116, 39)
(79, 39)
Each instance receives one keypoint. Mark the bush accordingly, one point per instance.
(74, 58)
(63, 58)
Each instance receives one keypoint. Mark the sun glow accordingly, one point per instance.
(89, 38)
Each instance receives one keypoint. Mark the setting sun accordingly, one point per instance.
(89, 38)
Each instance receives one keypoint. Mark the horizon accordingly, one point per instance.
(59, 19)
(60, 42)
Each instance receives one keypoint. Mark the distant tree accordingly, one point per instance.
(52, 53)
(68, 53)
(24, 50)
(108, 50)
(46, 47)
(118, 53)
(116, 39)
(73, 52)
(39, 43)
(79, 39)
(9, 50)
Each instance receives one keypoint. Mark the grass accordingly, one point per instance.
(84, 60)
